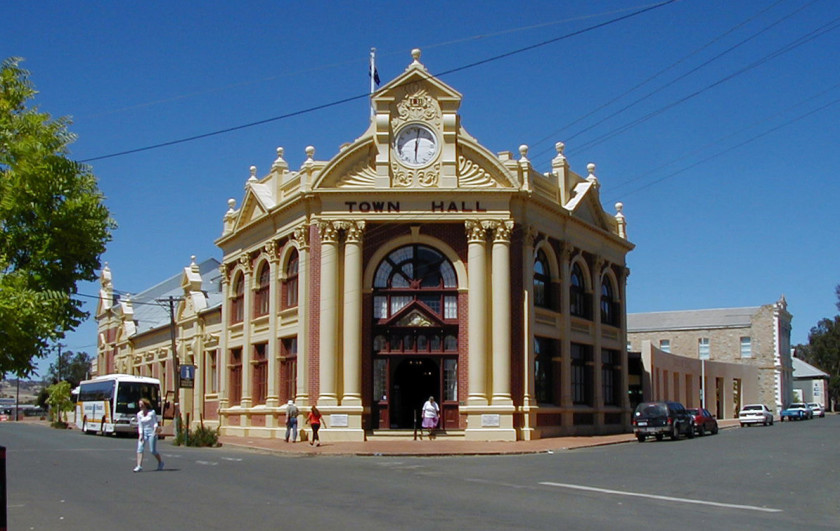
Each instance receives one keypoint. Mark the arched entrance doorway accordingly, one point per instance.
(415, 379)
(415, 337)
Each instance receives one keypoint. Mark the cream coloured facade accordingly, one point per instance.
(414, 262)
(756, 336)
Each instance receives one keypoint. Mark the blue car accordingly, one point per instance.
(797, 411)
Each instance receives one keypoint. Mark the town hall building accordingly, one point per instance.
(412, 263)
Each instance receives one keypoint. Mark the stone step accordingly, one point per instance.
(406, 435)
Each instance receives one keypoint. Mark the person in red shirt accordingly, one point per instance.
(314, 419)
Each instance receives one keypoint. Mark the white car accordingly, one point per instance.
(755, 414)
(818, 410)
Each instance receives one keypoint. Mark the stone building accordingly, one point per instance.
(756, 336)
(414, 262)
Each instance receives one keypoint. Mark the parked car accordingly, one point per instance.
(659, 419)
(755, 414)
(817, 409)
(704, 421)
(798, 411)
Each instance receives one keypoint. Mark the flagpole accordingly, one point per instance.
(372, 76)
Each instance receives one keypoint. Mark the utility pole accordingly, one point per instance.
(176, 363)
(59, 345)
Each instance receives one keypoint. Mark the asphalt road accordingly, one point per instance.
(779, 477)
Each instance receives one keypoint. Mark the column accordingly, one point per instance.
(329, 313)
(477, 308)
(352, 314)
(565, 340)
(528, 335)
(302, 375)
(501, 312)
(272, 397)
(597, 354)
(247, 315)
(223, 358)
(625, 398)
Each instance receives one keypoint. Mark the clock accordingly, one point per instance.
(416, 145)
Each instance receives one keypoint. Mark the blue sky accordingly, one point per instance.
(714, 122)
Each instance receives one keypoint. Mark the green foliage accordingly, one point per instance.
(59, 401)
(75, 367)
(53, 226)
(201, 436)
(823, 350)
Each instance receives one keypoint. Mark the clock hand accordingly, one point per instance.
(416, 145)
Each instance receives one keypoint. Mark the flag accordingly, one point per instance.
(373, 73)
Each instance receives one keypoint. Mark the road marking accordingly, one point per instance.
(208, 463)
(665, 498)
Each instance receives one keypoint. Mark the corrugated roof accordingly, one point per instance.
(150, 314)
(691, 319)
(802, 369)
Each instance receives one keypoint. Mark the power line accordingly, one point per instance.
(366, 95)
(820, 31)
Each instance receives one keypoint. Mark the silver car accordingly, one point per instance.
(817, 408)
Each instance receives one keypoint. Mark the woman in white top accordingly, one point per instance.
(147, 426)
(431, 414)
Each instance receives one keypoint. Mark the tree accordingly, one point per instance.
(823, 350)
(59, 401)
(75, 367)
(53, 226)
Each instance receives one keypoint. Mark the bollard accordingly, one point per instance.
(3, 488)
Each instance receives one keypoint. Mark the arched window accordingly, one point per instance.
(261, 296)
(290, 282)
(609, 306)
(577, 295)
(237, 309)
(542, 281)
(419, 277)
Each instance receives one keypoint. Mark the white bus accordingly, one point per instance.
(108, 404)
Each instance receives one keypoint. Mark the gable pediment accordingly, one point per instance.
(586, 206)
(256, 204)
(415, 315)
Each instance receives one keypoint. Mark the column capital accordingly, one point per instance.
(531, 234)
(566, 251)
(301, 236)
(502, 231)
(245, 262)
(476, 230)
(328, 230)
(353, 231)
(270, 249)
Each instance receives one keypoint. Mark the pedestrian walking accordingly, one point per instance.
(431, 416)
(147, 433)
(291, 420)
(315, 419)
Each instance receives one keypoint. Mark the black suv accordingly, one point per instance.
(660, 419)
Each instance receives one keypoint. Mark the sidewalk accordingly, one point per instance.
(436, 447)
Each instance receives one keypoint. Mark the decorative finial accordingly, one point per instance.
(415, 53)
(560, 147)
(591, 177)
(310, 153)
(279, 163)
(231, 205)
(253, 176)
(523, 150)
(619, 207)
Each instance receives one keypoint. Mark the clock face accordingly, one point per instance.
(416, 145)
